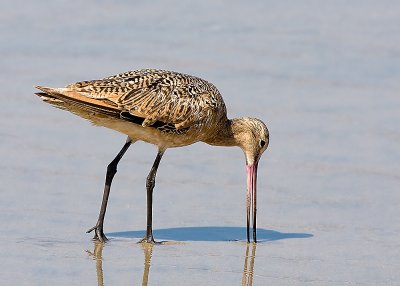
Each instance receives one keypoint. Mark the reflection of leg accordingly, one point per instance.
(246, 257)
(111, 170)
(253, 255)
(150, 183)
(248, 269)
(148, 252)
(98, 255)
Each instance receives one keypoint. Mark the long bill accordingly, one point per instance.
(251, 199)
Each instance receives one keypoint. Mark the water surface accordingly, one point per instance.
(324, 76)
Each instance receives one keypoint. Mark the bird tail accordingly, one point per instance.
(67, 99)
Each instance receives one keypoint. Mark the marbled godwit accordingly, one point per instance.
(167, 109)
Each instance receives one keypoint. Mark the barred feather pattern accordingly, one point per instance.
(180, 101)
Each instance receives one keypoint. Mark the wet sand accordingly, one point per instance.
(323, 76)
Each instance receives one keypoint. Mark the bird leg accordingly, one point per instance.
(150, 183)
(111, 171)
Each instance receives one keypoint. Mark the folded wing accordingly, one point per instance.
(157, 96)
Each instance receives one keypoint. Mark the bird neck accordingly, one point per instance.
(226, 134)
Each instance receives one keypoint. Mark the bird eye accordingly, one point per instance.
(262, 143)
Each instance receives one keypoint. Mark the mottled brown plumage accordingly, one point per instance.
(167, 109)
(158, 95)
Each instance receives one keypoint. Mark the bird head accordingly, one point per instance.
(252, 136)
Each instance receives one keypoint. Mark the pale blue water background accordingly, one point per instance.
(323, 75)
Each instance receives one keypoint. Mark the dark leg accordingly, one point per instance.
(111, 170)
(150, 183)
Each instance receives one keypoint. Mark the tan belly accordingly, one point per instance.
(147, 134)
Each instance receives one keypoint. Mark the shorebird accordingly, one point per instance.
(167, 109)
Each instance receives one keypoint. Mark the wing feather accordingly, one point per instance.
(158, 95)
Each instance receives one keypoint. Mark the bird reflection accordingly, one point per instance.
(97, 254)
(248, 268)
(148, 252)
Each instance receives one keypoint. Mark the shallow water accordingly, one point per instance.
(323, 76)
